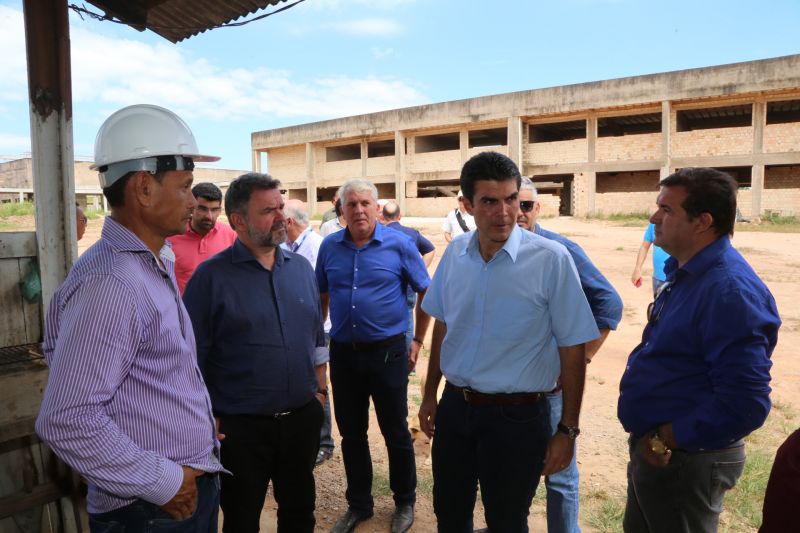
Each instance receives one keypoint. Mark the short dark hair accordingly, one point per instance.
(487, 166)
(238, 194)
(115, 193)
(208, 191)
(708, 190)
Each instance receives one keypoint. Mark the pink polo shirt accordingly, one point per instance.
(191, 249)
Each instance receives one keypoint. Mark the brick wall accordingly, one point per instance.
(339, 170)
(628, 147)
(625, 202)
(433, 161)
(16, 174)
(475, 151)
(287, 163)
(580, 194)
(715, 141)
(381, 166)
(782, 137)
(429, 207)
(781, 190)
(551, 153)
(613, 182)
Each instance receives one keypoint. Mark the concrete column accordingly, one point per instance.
(21, 197)
(591, 177)
(400, 169)
(757, 172)
(666, 140)
(311, 181)
(515, 142)
(463, 143)
(256, 160)
(364, 155)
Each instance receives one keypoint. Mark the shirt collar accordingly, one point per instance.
(190, 231)
(510, 247)
(122, 239)
(702, 260)
(241, 254)
(341, 236)
(302, 237)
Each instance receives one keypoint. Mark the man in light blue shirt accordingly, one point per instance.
(510, 317)
(659, 258)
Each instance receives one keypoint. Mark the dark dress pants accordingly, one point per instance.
(381, 374)
(259, 449)
(500, 447)
(146, 517)
(685, 496)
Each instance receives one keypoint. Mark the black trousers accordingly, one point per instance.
(501, 448)
(259, 449)
(381, 374)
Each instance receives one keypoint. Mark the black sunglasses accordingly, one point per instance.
(526, 206)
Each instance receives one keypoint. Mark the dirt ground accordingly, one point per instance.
(602, 449)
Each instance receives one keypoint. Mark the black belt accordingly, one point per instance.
(368, 346)
(482, 398)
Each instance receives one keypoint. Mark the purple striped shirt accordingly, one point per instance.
(125, 403)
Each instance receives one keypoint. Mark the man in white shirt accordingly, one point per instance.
(458, 221)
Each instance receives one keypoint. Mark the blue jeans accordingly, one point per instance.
(146, 517)
(411, 301)
(500, 447)
(563, 498)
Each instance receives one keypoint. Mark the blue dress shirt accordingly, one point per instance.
(507, 317)
(367, 285)
(704, 360)
(259, 332)
(603, 299)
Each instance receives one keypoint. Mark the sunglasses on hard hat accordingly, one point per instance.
(526, 206)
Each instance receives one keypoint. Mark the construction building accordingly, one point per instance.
(592, 148)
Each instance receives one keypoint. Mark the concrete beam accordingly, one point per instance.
(753, 77)
(311, 181)
(666, 139)
(400, 169)
(515, 146)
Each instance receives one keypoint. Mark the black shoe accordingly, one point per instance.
(323, 455)
(349, 521)
(402, 519)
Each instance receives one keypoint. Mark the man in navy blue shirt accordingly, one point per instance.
(698, 383)
(391, 218)
(563, 498)
(257, 319)
(363, 273)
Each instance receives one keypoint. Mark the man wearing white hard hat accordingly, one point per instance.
(125, 403)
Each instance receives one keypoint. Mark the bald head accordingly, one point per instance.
(391, 211)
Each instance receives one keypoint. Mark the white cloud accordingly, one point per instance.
(111, 72)
(382, 53)
(15, 143)
(372, 27)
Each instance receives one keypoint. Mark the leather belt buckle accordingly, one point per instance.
(281, 415)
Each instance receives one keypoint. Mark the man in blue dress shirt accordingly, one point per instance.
(698, 383)
(510, 318)
(363, 272)
(563, 498)
(258, 323)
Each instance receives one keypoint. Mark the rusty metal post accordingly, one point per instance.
(50, 94)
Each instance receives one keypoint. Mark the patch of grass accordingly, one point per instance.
(743, 503)
(94, 214)
(19, 209)
(424, 484)
(640, 219)
(604, 510)
(416, 399)
(620, 248)
(380, 484)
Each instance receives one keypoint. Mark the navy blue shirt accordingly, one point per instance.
(259, 332)
(602, 297)
(704, 360)
(424, 246)
(367, 285)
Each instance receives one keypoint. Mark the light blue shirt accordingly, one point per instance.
(507, 317)
(659, 255)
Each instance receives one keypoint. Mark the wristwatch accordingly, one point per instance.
(657, 444)
(571, 431)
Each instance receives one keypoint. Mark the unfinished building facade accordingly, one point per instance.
(592, 148)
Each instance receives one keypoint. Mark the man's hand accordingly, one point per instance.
(636, 278)
(652, 458)
(413, 354)
(184, 503)
(220, 436)
(559, 453)
(427, 416)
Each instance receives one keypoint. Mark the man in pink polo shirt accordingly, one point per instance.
(204, 236)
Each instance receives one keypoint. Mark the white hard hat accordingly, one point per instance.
(135, 137)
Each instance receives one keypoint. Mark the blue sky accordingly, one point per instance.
(332, 58)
